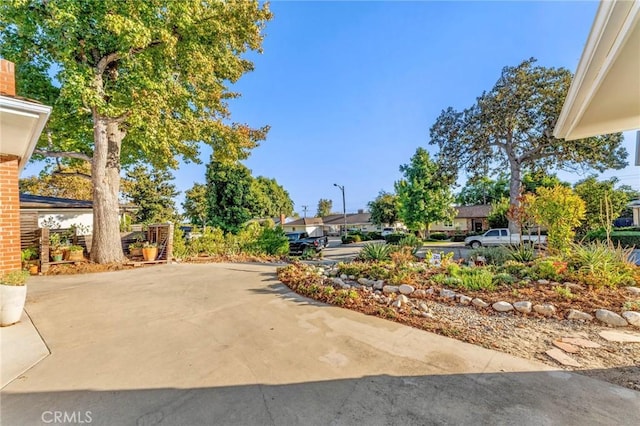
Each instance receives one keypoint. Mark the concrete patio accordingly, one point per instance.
(229, 344)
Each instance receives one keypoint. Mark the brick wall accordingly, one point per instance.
(9, 215)
(7, 78)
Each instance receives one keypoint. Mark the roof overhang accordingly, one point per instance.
(604, 96)
(21, 123)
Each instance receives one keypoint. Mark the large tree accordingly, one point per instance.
(603, 201)
(483, 190)
(384, 209)
(152, 192)
(324, 207)
(271, 199)
(424, 194)
(229, 195)
(511, 128)
(137, 80)
(195, 205)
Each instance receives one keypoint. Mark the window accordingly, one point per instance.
(493, 233)
(503, 232)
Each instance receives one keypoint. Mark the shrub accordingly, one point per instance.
(477, 279)
(348, 239)
(458, 238)
(410, 240)
(597, 264)
(357, 269)
(375, 251)
(564, 292)
(439, 236)
(374, 235)
(211, 242)
(625, 238)
(14, 278)
(522, 252)
(272, 241)
(402, 255)
(394, 238)
(546, 270)
(493, 255)
(513, 267)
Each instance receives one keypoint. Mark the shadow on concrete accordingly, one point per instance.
(538, 398)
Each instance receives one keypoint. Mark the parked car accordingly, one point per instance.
(301, 241)
(502, 236)
(387, 231)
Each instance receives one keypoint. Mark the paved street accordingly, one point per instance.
(228, 344)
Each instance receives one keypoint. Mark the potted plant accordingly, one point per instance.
(55, 247)
(76, 253)
(13, 293)
(28, 255)
(149, 251)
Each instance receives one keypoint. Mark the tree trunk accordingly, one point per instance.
(514, 191)
(105, 175)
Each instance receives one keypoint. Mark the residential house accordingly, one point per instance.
(361, 221)
(21, 123)
(310, 225)
(468, 219)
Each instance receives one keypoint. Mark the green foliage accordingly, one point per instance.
(503, 278)
(424, 194)
(498, 214)
(271, 199)
(152, 192)
(14, 278)
(593, 193)
(514, 267)
(510, 127)
(179, 245)
(29, 253)
(125, 223)
(384, 209)
(545, 270)
(211, 242)
(522, 252)
(618, 238)
(195, 204)
(563, 291)
(410, 240)
(560, 211)
(483, 190)
(375, 252)
(631, 305)
(229, 195)
(357, 269)
(493, 255)
(598, 264)
(324, 207)
(531, 181)
(273, 242)
(439, 236)
(394, 238)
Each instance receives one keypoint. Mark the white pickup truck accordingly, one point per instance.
(501, 237)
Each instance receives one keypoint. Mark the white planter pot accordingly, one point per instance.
(12, 299)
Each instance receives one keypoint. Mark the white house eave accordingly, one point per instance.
(21, 123)
(610, 59)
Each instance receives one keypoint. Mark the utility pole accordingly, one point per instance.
(344, 207)
(304, 209)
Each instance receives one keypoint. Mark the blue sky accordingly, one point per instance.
(350, 89)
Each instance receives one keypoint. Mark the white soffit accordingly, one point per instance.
(21, 123)
(604, 96)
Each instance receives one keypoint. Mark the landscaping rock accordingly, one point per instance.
(387, 289)
(419, 294)
(406, 289)
(573, 286)
(633, 317)
(545, 309)
(577, 315)
(416, 312)
(404, 299)
(567, 347)
(465, 300)
(611, 318)
(430, 290)
(524, 307)
(633, 290)
(562, 358)
(479, 303)
(428, 315)
(619, 336)
(397, 304)
(352, 277)
(364, 281)
(583, 343)
(378, 285)
(345, 286)
(502, 306)
(543, 282)
(448, 294)
(423, 307)
(344, 277)
(337, 281)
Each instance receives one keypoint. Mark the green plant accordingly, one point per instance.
(522, 252)
(545, 269)
(493, 255)
(503, 278)
(513, 267)
(598, 264)
(563, 291)
(14, 278)
(272, 241)
(375, 252)
(148, 244)
(631, 305)
(30, 253)
(439, 236)
(76, 248)
(394, 238)
(477, 279)
(410, 240)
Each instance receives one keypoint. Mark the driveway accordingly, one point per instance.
(228, 344)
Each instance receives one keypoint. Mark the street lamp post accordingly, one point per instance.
(344, 207)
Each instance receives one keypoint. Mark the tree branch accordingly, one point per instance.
(62, 154)
(82, 175)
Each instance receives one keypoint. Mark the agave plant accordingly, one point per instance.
(522, 252)
(375, 252)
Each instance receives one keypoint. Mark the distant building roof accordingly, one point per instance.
(352, 219)
(473, 211)
(39, 202)
(306, 221)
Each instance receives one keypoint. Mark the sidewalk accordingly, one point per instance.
(21, 348)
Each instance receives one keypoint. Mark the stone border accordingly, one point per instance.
(399, 296)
